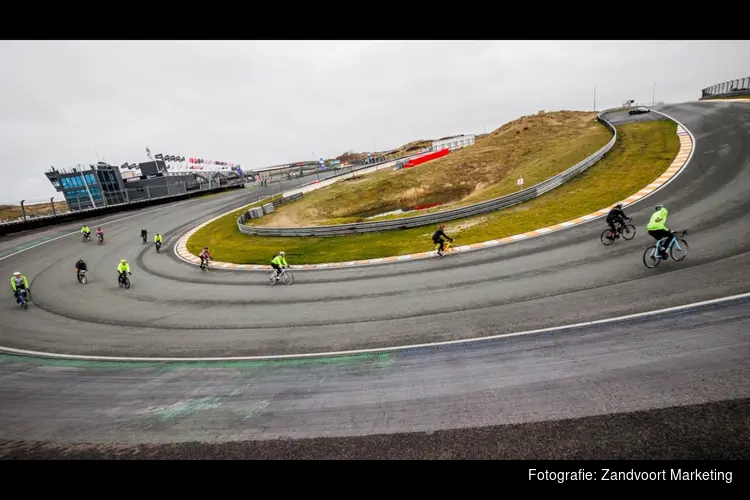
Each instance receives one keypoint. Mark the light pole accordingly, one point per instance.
(317, 167)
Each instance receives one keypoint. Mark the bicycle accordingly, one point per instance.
(652, 257)
(286, 276)
(124, 281)
(447, 247)
(204, 265)
(24, 297)
(86, 237)
(158, 246)
(100, 237)
(627, 231)
(81, 274)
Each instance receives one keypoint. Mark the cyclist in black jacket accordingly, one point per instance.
(437, 238)
(616, 216)
(144, 234)
(80, 266)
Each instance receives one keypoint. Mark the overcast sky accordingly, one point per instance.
(266, 103)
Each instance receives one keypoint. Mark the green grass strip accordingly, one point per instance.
(643, 151)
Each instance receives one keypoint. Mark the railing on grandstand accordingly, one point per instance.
(739, 87)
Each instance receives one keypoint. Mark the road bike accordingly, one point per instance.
(81, 274)
(204, 265)
(24, 296)
(124, 280)
(100, 237)
(627, 231)
(158, 246)
(286, 277)
(677, 248)
(145, 238)
(86, 237)
(447, 247)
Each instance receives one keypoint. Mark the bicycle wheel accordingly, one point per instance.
(127, 283)
(628, 231)
(606, 238)
(26, 303)
(272, 278)
(84, 279)
(679, 253)
(288, 278)
(649, 261)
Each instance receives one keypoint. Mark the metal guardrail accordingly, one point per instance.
(731, 88)
(438, 217)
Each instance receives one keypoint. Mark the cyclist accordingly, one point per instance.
(278, 262)
(205, 255)
(86, 231)
(19, 281)
(100, 233)
(157, 239)
(437, 238)
(122, 270)
(80, 266)
(616, 216)
(657, 228)
(144, 234)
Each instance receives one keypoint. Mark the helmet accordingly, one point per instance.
(442, 226)
(282, 253)
(16, 274)
(80, 259)
(619, 205)
(123, 261)
(658, 207)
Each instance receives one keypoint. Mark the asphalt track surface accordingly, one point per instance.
(174, 310)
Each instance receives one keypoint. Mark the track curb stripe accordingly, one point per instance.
(685, 153)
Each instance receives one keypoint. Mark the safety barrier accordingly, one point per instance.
(438, 217)
(51, 220)
(731, 88)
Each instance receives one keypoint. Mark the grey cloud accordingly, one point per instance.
(264, 103)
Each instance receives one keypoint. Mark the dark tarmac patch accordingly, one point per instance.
(710, 431)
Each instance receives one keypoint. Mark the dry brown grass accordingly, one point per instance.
(534, 147)
(9, 213)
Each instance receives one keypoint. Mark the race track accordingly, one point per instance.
(174, 310)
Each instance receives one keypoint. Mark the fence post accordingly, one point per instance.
(78, 199)
(148, 192)
(23, 210)
(52, 202)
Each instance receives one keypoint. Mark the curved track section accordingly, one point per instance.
(174, 310)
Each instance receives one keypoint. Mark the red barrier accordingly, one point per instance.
(428, 157)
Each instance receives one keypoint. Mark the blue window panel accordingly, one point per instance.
(65, 182)
(90, 179)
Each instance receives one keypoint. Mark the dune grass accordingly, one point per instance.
(534, 147)
(644, 150)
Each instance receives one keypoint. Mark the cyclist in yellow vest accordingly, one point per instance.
(278, 262)
(657, 228)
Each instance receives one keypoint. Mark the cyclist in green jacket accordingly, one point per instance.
(657, 228)
(19, 281)
(278, 262)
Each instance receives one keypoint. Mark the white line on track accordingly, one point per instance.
(79, 231)
(382, 350)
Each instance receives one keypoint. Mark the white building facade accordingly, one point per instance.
(457, 142)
